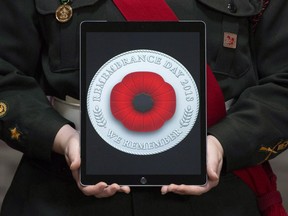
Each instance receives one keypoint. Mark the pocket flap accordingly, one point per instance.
(50, 6)
(240, 8)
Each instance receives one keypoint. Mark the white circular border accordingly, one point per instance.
(142, 143)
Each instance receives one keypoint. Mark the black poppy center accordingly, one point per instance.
(143, 102)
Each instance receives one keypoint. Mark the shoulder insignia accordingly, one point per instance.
(267, 150)
(282, 145)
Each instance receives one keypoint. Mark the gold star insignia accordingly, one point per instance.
(15, 134)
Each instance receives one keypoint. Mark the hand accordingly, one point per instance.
(215, 155)
(67, 142)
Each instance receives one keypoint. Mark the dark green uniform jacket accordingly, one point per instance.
(39, 56)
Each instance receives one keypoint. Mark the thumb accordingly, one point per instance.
(214, 158)
(73, 157)
(75, 162)
(212, 171)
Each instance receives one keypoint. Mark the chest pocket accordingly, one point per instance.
(231, 53)
(62, 39)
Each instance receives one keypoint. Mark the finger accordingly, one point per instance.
(108, 191)
(93, 190)
(164, 189)
(125, 189)
(189, 189)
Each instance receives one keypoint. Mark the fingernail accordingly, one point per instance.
(163, 192)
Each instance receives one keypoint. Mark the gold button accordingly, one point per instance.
(3, 109)
(64, 13)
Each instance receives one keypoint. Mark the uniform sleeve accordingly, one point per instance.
(27, 121)
(256, 126)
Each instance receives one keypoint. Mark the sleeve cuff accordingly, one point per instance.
(42, 134)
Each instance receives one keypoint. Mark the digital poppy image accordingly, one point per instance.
(143, 101)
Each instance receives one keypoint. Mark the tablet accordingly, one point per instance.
(143, 103)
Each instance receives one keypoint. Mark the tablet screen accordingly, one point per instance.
(143, 115)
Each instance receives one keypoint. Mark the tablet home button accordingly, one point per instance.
(143, 180)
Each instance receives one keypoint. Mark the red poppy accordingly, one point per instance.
(143, 101)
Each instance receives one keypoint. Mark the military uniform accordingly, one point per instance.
(39, 56)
